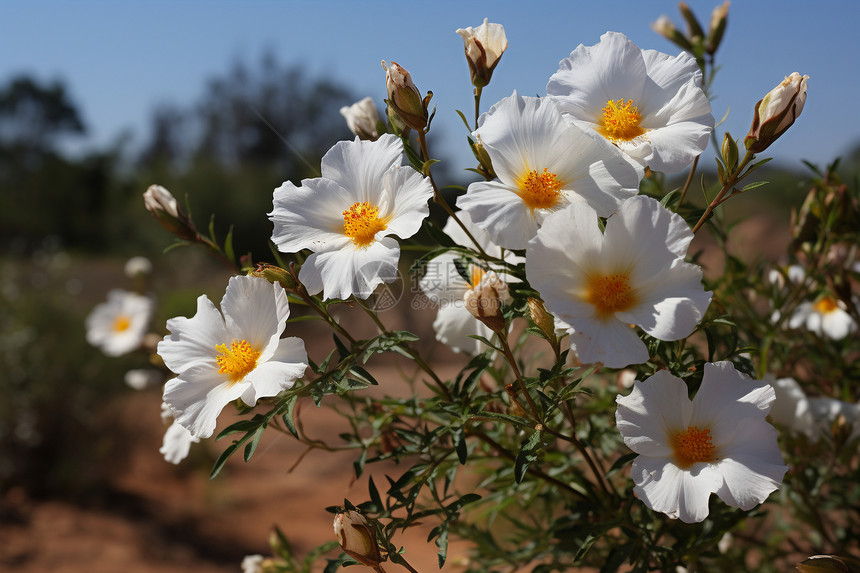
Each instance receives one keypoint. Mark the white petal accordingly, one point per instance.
(310, 216)
(678, 493)
(610, 342)
(198, 395)
(752, 466)
(359, 166)
(410, 191)
(668, 74)
(177, 443)
(287, 363)
(670, 306)
(726, 397)
(349, 271)
(453, 325)
(652, 412)
(837, 324)
(257, 311)
(591, 76)
(442, 282)
(192, 341)
(500, 211)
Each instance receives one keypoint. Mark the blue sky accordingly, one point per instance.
(121, 59)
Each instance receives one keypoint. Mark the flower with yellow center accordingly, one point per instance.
(447, 281)
(543, 164)
(648, 104)
(119, 325)
(349, 217)
(600, 284)
(827, 316)
(719, 442)
(237, 353)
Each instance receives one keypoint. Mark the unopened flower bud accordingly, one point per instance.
(485, 301)
(729, 152)
(162, 205)
(357, 538)
(542, 319)
(666, 28)
(775, 113)
(404, 97)
(275, 274)
(484, 47)
(137, 267)
(362, 118)
(825, 564)
(719, 19)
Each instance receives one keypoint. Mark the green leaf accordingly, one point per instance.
(387, 341)
(754, 185)
(252, 447)
(288, 407)
(222, 459)
(458, 437)
(621, 462)
(526, 456)
(228, 246)
(586, 545)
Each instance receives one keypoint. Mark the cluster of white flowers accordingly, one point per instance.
(604, 259)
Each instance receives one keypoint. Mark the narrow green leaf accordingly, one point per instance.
(290, 406)
(228, 246)
(252, 447)
(222, 459)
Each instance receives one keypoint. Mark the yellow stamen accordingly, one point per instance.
(540, 190)
(121, 323)
(477, 273)
(826, 305)
(693, 446)
(621, 121)
(238, 360)
(361, 222)
(610, 294)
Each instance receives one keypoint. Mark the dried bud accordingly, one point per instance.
(162, 205)
(667, 29)
(362, 118)
(719, 19)
(357, 538)
(484, 47)
(404, 97)
(485, 300)
(775, 113)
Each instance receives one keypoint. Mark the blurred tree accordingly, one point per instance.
(253, 128)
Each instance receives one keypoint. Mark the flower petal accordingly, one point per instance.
(198, 395)
(192, 341)
(287, 363)
(359, 166)
(351, 270)
(610, 342)
(652, 411)
(257, 311)
(678, 493)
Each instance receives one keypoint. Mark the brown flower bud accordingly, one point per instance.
(162, 205)
(776, 112)
(484, 47)
(404, 97)
(357, 538)
(484, 301)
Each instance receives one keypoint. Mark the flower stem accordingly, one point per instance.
(689, 180)
(729, 184)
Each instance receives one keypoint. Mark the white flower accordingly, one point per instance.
(253, 564)
(796, 274)
(140, 378)
(825, 411)
(484, 47)
(177, 440)
(361, 118)
(136, 266)
(717, 443)
(447, 282)
(825, 317)
(543, 164)
(791, 408)
(119, 325)
(776, 112)
(348, 215)
(236, 353)
(602, 284)
(647, 103)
